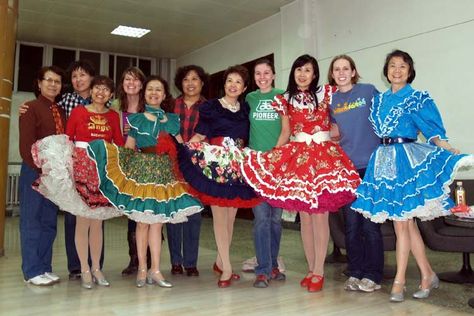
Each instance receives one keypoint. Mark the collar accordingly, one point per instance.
(402, 93)
(81, 100)
(159, 113)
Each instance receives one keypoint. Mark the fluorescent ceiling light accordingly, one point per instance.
(129, 31)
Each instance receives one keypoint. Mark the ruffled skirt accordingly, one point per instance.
(69, 178)
(404, 181)
(214, 174)
(142, 185)
(312, 178)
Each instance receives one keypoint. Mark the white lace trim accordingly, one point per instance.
(148, 217)
(314, 202)
(57, 180)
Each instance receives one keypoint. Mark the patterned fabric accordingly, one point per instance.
(57, 119)
(54, 155)
(71, 100)
(189, 117)
(218, 163)
(210, 168)
(310, 173)
(408, 180)
(142, 185)
(87, 182)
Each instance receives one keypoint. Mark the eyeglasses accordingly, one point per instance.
(101, 88)
(52, 81)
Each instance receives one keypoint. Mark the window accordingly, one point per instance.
(63, 57)
(93, 58)
(30, 60)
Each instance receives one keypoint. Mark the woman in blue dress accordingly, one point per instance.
(404, 178)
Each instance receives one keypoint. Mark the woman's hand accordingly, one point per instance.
(23, 108)
(197, 138)
(334, 133)
(444, 144)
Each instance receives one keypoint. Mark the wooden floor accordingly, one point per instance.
(189, 296)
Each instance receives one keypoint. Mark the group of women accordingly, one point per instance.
(308, 147)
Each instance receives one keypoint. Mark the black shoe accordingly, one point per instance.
(277, 275)
(192, 271)
(176, 269)
(261, 281)
(75, 275)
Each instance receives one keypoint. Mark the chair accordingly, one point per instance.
(440, 236)
(337, 230)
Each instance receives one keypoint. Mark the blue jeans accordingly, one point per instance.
(38, 222)
(267, 235)
(185, 235)
(364, 245)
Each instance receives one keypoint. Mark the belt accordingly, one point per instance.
(395, 140)
(318, 137)
(81, 144)
(148, 150)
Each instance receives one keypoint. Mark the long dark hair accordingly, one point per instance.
(167, 104)
(122, 96)
(292, 88)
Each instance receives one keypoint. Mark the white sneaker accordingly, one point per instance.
(40, 280)
(52, 276)
(367, 285)
(249, 264)
(352, 284)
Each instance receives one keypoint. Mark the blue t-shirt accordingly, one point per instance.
(350, 111)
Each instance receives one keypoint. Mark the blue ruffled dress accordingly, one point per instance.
(408, 180)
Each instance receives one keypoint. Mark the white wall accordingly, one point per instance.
(437, 33)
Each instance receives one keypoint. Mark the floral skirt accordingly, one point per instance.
(214, 174)
(69, 178)
(404, 181)
(144, 186)
(312, 178)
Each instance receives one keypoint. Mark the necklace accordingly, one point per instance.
(231, 107)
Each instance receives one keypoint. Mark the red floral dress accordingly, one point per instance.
(310, 173)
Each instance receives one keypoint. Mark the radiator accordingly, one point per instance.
(13, 198)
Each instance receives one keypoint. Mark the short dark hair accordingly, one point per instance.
(354, 79)
(40, 76)
(183, 72)
(103, 80)
(168, 103)
(81, 64)
(406, 58)
(292, 87)
(264, 61)
(238, 69)
(122, 96)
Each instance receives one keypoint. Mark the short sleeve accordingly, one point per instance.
(171, 126)
(206, 116)
(426, 116)
(280, 104)
(134, 121)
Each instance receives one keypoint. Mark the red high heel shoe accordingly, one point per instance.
(218, 270)
(224, 283)
(306, 280)
(316, 285)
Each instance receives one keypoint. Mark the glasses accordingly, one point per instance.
(101, 88)
(52, 81)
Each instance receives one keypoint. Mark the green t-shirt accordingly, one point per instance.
(265, 123)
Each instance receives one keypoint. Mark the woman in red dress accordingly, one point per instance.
(309, 174)
(87, 123)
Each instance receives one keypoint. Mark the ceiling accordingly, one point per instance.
(177, 27)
